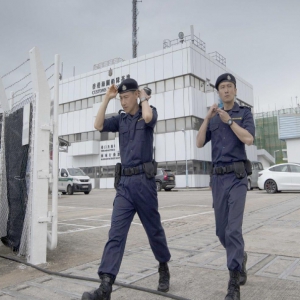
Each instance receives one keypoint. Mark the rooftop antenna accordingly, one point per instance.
(134, 28)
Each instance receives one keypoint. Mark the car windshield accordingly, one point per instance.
(76, 172)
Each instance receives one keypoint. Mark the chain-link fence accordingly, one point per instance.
(16, 176)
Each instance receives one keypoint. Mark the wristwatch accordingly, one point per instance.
(143, 99)
(229, 122)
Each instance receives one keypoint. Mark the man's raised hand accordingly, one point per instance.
(112, 92)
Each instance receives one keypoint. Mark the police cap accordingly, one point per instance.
(127, 85)
(225, 77)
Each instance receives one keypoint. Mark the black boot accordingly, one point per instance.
(233, 292)
(164, 278)
(104, 290)
(243, 277)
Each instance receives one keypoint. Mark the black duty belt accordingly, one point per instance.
(133, 170)
(223, 170)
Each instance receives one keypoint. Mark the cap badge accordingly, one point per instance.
(228, 77)
(124, 87)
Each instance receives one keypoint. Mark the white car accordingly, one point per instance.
(282, 177)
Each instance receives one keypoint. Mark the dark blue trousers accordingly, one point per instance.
(229, 196)
(135, 194)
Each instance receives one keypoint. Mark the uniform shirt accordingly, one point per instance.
(135, 137)
(226, 146)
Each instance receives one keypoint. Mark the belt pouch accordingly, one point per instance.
(239, 169)
(248, 167)
(149, 170)
(118, 172)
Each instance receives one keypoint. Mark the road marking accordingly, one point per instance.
(177, 205)
(193, 215)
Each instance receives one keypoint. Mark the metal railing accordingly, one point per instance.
(196, 41)
(108, 63)
(218, 57)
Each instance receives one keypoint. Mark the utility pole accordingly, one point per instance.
(134, 28)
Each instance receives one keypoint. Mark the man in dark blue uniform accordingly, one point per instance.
(229, 129)
(136, 190)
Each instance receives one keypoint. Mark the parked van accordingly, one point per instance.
(72, 180)
(253, 178)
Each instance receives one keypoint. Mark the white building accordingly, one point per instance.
(289, 131)
(181, 77)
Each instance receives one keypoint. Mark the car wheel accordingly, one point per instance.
(249, 188)
(158, 186)
(70, 190)
(271, 186)
(63, 193)
(167, 190)
(86, 193)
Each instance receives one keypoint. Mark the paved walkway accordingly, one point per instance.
(198, 266)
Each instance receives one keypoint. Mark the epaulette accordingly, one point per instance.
(242, 106)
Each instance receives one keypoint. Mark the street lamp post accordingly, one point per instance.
(275, 155)
(186, 164)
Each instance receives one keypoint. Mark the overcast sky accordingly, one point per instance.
(259, 38)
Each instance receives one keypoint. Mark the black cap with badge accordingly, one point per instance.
(127, 85)
(225, 77)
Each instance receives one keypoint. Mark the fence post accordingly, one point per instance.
(40, 218)
(3, 98)
(52, 238)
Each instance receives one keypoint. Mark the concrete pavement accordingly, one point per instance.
(198, 266)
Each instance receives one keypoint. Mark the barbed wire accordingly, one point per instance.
(50, 77)
(23, 63)
(29, 94)
(18, 81)
(24, 87)
(49, 67)
(17, 95)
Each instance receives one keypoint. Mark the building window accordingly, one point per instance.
(161, 126)
(152, 87)
(61, 109)
(97, 135)
(97, 99)
(187, 80)
(196, 123)
(160, 86)
(78, 137)
(72, 106)
(192, 81)
(169, 85)
(78, 105)
(197, 84)
(104, 136)
(71, 138)
(180, 124)
(171, 165)
(170, 125)
(84, 104)
(66, 107)
(188, 123)
(91, 101)
(179, 84)
(84, 136)
(90, 136)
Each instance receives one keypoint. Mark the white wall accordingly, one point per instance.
(293, 146)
